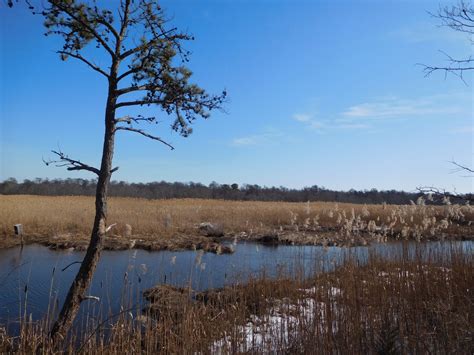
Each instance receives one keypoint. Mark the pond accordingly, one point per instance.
(32, 277)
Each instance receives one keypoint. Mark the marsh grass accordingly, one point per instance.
(63, 222)
(414, 303)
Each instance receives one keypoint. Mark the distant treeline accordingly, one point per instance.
(167, 190)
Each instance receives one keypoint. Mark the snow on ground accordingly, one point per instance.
(274, 330)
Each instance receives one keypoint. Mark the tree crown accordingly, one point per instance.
(146, 58)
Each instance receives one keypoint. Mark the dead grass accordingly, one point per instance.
(63, 222)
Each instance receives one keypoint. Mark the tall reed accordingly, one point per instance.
(414, 303)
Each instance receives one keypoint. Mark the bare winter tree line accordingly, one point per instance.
(245, 192)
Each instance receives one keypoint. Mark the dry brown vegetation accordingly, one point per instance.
(410, 305)
(64, 222)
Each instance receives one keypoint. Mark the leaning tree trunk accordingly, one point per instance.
(84, 276)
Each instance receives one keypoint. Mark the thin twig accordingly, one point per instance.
(74, 262)
(71, 164)
(143, 133)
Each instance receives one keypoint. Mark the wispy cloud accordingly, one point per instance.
(394, 107)
(310, 122)
(365, 115)
(302, 117)
(257, 139)
(251, 140)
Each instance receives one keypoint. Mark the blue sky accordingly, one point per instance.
(321, 93)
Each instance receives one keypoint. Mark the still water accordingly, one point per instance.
(30, 278)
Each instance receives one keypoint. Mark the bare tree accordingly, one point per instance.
(453, 195)
(146, 68)
(444, 196)
(460, 18)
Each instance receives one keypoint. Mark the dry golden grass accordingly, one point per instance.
(160, 224)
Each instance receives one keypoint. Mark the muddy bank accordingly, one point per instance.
(80, 243)
(223, 244)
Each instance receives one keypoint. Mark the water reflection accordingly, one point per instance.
(121, 276)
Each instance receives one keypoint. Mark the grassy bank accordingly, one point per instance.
(64, 222)
(409, 305)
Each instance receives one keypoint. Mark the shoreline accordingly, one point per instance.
(220, 245)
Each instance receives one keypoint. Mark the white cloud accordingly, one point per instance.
(394, 107)
(358, 111)
(362, 116)
(302, 117)
(252, 140)
(321, 126)
(307, 119)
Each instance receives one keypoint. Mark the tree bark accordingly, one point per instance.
(84, 276)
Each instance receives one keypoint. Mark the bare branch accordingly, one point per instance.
(138, 103)
(137, 69)
(456, 67)
(124, 17)
(454, 195)
(461, 167)
(109, 27)
(135, 88)
(71, 164)
(456, 71)
(460, 18)
(442, 192)
(143, 133)
(71, 264)
(209, 102)
(127, 73)
(453, 60)
(81, 58)
(138, 119)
